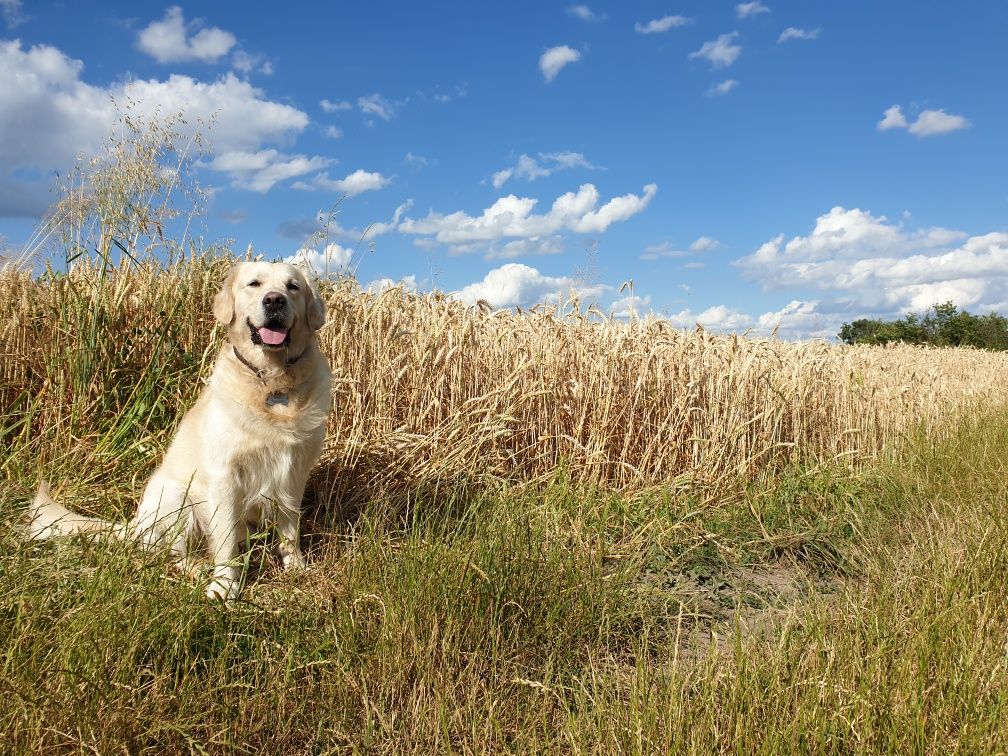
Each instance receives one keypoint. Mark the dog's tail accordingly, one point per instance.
(48, 519)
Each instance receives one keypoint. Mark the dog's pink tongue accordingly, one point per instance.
(272, 337)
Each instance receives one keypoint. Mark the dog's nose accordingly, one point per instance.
(274, 301)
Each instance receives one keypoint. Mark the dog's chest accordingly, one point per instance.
(267, 465)
(258, 445)
(269, 473)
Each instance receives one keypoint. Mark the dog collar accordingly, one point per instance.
(259, 373)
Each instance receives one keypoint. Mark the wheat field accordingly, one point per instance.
(98, 363)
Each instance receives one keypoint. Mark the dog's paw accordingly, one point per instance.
(222, 589)
(293, 560)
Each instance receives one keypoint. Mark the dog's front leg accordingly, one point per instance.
(288, 525)
(223, 536)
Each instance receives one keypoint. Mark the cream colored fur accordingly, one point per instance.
(240, 458)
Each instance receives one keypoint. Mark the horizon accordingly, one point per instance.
(749, 166)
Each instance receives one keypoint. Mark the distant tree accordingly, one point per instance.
(861, 331)
(940, 325)
(867, 331)
(992, 332)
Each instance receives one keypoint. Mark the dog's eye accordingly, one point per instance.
(253, 284)
(293, 286)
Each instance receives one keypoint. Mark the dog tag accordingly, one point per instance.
(276, 398)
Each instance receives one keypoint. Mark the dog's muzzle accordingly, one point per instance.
(275, 331)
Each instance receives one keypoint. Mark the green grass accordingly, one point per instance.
(548, 620)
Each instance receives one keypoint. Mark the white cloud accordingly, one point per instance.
(446, 97)
(334, 107)
(379, 285)
(794, 33)
(566, 160)
(705, 244)
(717, 318)
(585, 13)
(500, 177)
(260, 171)
(745, 10)
(873, 265)
(379, 228)
(417, 161)
(553, 60)
(630, 306)
(615, 210)
(928, 123)
(893, 118)
(723, 88)
(664, 249)
(528, 168)
(333, 260)
(246, 62)
(535, 246)
(842, 235)
(49, 115)
(517, 285)
(660, 25)
(326, 222)
(547, 164)
(12, 12)
(350, 185)
(668, 249)
(333, 132)
(720, 52)
(512, 217)
(167, 40)
(931, 122)
(799, 320)
(376, 105)
(242, 118)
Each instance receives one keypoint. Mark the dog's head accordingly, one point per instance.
(269, 306)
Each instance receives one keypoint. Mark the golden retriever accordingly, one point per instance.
(241, 456)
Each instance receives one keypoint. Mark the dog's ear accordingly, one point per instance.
(314, 307)
(223, 304)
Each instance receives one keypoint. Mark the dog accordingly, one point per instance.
(241, 456)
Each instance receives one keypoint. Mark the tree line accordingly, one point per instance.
(940, 325)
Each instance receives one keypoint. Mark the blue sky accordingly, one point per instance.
(751, 165)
